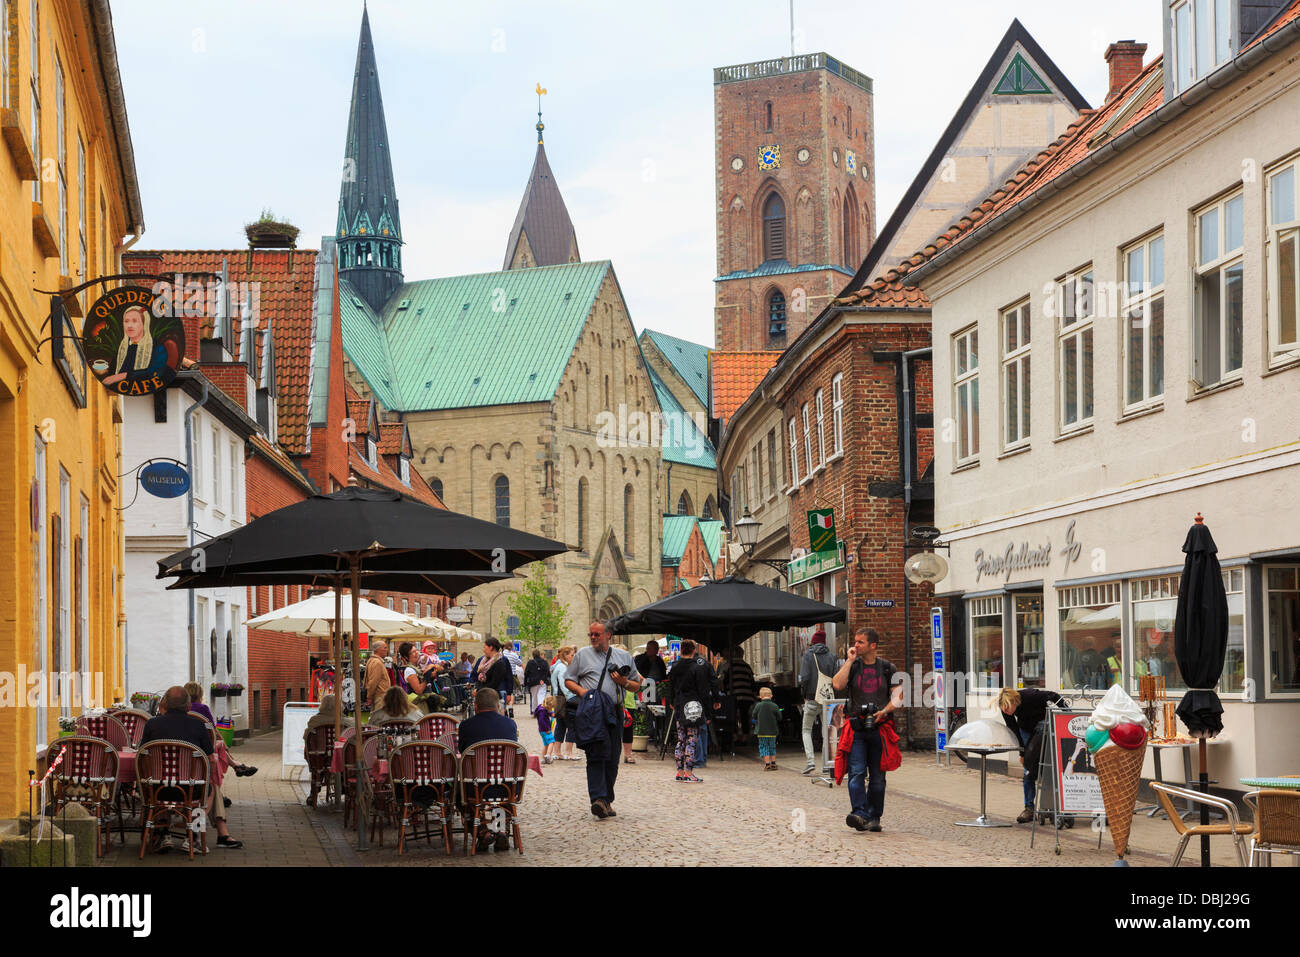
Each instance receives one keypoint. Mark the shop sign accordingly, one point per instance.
(165, 479)
(814, 564)
(457, 615)
(1024, 558)
(821, 529)
(130, 347)
(65, 347)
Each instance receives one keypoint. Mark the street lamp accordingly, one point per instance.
(747, 529)
(705, 579)
(470, 607)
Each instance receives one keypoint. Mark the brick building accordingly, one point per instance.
(692, 548)
(796, 193)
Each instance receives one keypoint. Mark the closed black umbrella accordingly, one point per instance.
(725, 612)
(357, 534)
(1200, 642)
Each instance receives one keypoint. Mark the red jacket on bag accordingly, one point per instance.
(891, 758)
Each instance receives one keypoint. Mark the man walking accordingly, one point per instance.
(818, 659)
(536, 674)
(869, 680)
(584, 675)
(377, 680)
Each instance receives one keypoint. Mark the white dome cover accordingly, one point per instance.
(983, 733)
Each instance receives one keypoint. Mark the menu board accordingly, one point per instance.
(1072, 765)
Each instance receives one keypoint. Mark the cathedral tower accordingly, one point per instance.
(369, 232)
(796, 193)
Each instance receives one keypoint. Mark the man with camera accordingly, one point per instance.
(872, 701)
(613, 671)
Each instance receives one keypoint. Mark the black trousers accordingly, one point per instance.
(603, 771)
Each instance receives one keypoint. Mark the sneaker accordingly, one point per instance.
(856, 821)
(598, 809)
(874, 825)
(810, 769)
(198, 847)
(1026, 816)
(691, 779)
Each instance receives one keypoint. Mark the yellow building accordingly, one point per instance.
(68, 199)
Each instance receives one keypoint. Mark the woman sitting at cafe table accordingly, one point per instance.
(396, 706)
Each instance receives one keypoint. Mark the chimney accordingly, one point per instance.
(1125, 60)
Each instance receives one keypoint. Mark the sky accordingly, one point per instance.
(238, 106)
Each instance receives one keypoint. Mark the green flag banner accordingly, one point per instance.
(821, 529)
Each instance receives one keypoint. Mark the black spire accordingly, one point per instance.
(369, 231)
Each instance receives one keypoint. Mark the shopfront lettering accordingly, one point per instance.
(1019, 558)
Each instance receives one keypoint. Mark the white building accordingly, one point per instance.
(1145, 269)
(160, 649)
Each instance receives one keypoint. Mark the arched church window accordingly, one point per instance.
(776, 314)
(627, 519)
(503, 500)
(582, 515)
(773, 229)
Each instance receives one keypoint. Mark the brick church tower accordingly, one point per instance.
(796, 192)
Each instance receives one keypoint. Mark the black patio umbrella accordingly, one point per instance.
(1200, 642)
(725, 613)
(357, 534)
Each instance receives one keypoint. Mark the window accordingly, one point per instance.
(707, 513)
(35, 59)
(197, 484)
(794, 453)
(739, 494)
(404, 470)
(846, 225)
(967, 394)
(235, 461)
(63, 594)
(1217, 328)
(759, 463)
(390, 604)
(502, 486)
(773, 228)
(776, 314)
(4, 55)
(83, 588)
(436, 485)
(768, 111)
(821, 431)
(61, 160)
(372, 452)
(837, 413)
(772, 459)
(627, 520)
(41, 574)
(582, 515)
(986, 640)
(1202, 39)
(1153, 605)
(1282, 614)
(1283, 261)
(1090, 631)
(83, 269)
(1144, 322)
(1234, 663)
(217, 495)
(1015, 375)
(405, 608)
(512, 626)
(1075, 310)
(807, 444)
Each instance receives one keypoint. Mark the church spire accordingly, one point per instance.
(543, 233)
(369, 230)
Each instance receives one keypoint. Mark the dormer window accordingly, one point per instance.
(405, 470)
(371, 452)
(1202, 39)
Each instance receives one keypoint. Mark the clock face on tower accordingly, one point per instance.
(803, 155)
(737, 163)
(769, 157)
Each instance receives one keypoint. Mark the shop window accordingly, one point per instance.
(986, 641)
(1091, 636)
(1282, 611)
(1153, 607)
(1219, 301)
(1028, 622)
(1283, 263)
(1234, 665)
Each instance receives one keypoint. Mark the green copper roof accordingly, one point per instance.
(498, 338)
(711, 532)
(677, 532)
(780, 267)
(690, 359)
(680, 438)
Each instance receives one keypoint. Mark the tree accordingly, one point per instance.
(543, 619)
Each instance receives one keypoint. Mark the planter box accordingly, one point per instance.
(640, 742)
(218, 692)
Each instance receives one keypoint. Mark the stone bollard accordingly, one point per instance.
(18, 848)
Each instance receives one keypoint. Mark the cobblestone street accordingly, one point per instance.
(741, 815)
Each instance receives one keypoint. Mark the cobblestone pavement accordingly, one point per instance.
(740, 815)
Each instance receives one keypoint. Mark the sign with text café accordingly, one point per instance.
(133, 347)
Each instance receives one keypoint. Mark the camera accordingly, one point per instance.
(625, 670)
(864, 720)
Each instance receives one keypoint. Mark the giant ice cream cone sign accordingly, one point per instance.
(1117, 738)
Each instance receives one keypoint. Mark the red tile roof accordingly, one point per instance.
(392, 438)
(384, 477)
(275, 454)
(286, 301)
(735, 375)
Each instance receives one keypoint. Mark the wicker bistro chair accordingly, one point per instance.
(319, 751)
(1277, 823)
(173, 779)
(491, 780)
(87, 776)
(106, 727)
(434, 726)
(375, 748)
(133, 720)
(349, 784)
(1232, 827)
(423, 778)
(393, 732)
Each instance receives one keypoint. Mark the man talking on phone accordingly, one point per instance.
(585, 675)
(872, 701)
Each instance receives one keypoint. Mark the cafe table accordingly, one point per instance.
(1290, 783)
(983, 820)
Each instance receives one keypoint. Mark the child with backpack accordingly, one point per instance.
(545, 715)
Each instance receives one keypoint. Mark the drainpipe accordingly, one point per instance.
(668, 505)
(907, 445)
(189, 467)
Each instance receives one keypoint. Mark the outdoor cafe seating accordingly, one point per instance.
(1232, 826)
(491, 780)
(173, 778)
(106, 727)
(422, 775)
(133, 720)
(319, 751)
(433, 726)
(87, 776)
(1277, 824)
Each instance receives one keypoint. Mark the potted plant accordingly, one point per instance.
(234, 690)
(640, 730)
(67, 727)
(270, 232)
(219, 689)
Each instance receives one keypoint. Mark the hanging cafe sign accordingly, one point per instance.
(130, 347)
(1023, 558)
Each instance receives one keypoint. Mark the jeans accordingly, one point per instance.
(602, 772)
(702, 746)
(866, 795)
(811, 710)
(1033, 745)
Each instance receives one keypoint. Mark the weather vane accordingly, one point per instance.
(541, 91)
